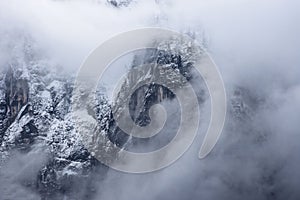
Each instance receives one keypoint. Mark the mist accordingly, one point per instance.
(256, 46)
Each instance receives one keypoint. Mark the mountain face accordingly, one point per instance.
(36, 118)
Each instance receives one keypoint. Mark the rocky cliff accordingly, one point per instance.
(36, 117)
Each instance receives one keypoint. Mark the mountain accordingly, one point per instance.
(36, 117)
(44, 156)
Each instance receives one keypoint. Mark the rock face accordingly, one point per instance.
(119, 3)
(3, 111)
(13, 96)
(165, 63)
(35, 105)
(36, 117)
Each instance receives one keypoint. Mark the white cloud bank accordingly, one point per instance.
(255, 44)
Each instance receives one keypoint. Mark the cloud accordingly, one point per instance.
(256, 46)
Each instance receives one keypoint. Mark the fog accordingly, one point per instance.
(256, 46)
